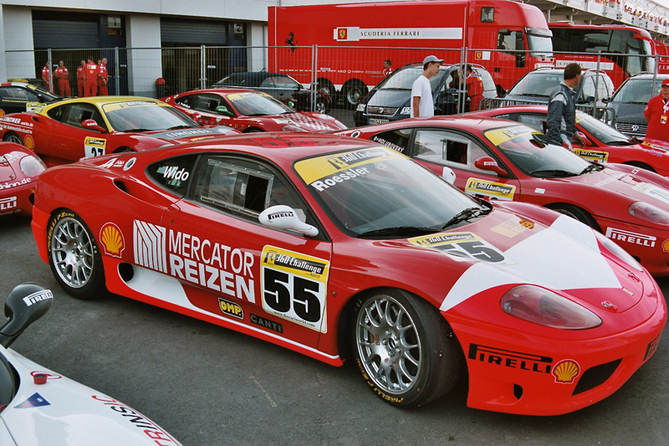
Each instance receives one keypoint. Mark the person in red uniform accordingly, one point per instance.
(45, 76)
(80, 78)
(474, 85)
(61, 74)
(387, 67)
(657, 114)
(91, 72)
(103, 77)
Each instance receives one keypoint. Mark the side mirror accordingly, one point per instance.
(90, 124)
(586, 139)
(488, 163)
(284, 217)
(24, 305)
(223, 110)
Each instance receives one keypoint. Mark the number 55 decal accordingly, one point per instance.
(294, 287)
(463, 246)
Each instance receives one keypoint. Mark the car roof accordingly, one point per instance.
(224, 91)
(466, 122)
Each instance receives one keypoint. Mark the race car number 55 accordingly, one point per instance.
(294, 287)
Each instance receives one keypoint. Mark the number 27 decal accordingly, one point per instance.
(294, 287)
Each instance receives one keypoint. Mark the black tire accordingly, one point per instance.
(353, 93)
(576, 213)
(13, 137)
(74, 256)
(321, 106)
(404, 348)
(253, 130)
(325, 86)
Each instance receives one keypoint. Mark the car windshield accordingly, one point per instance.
(258, 104)
(604, 133)
(527, 150)
(377, 192)
(233, 79)
(536, 84)
(637, 91)
(142, 116)
(403, 79)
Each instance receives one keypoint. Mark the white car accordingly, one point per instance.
(39, 406)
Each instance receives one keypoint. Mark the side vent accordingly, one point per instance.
(120, 185)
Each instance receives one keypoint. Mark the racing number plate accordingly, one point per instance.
(294, 287)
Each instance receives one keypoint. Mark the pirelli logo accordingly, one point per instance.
(511, 359)
(149, 246)
(631, 237)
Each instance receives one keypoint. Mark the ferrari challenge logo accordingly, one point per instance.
(592, 155)
(490, 189)
(112, 240)
(463, 246)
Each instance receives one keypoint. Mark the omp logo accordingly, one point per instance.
(231, 308)
(631, 237)
(149, 245)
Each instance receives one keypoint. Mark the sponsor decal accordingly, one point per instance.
(631, 237)
(8, 204)
(294, 287)
(512, 228)
(566, 371)
(231, 308)
(112, 240)
(490, 189)
(509, 358)
(266, 323)
(187, 257)
(651, 348)
(354, 33)
(463, 246)
(136, 419)
(658, 193)
(386, 143)
(38, 296)
(34, 400)
(500, 136)
(665, 245)
(592, 155)
(128, 165)
(29, 141)
(94, 146)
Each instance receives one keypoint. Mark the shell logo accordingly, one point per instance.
(112, 240)
(665, 245)
(566, 371)
(29, 142)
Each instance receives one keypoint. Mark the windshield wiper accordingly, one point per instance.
(181, 126)
(552, 173)
(465, 215)
(591, 167)
(136, 130)
(399, 231)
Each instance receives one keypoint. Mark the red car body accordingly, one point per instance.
(603, 143)
(489, 158)
(249, 110)
(67, 130)
(188, 228)
(19, 169)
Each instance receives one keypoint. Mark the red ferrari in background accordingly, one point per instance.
(502, 160)
(249, 111)
(603, 143)
(19, 169)
(67, 130)
(315, 242)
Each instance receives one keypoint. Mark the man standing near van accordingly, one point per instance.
(657, 114)
(561, 122)
(422, 104)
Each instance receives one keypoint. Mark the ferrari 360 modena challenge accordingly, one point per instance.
(19, 169)
(65, 131)
(496, 159)
(316, 243)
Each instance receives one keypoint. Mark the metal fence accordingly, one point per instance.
(350, 71)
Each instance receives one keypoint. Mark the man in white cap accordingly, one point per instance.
(422, 104)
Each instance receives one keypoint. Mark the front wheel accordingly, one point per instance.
(74, 256)
(404, 348)
(354, 92)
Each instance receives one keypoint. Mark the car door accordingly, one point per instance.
(270, 281)
(61, 134)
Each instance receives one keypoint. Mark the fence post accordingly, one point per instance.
(314, 69)
(203, 68)
(117, 72)
(50, 61)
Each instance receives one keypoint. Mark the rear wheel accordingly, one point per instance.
(576, 213)
(640, 165)
(74, 257)
(13, 137)
(404, 348)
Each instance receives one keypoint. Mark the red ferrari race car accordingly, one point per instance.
(498, 159)
(19, 169)
(74, 128)
(315, 242)
(603, 143)
(249, 111)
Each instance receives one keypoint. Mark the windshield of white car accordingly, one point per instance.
(376, 192)
(144, 116)
(525, 148)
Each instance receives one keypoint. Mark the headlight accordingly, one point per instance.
(618, 251)
(405, 111)
(360, 108)
(292, 128)
(32, 166)
(648, 212)
(543, 307)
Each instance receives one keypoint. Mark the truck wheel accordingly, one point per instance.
(325, 86)
(74, 257)
(403, 349)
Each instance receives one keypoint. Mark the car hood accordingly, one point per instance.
(62, 411)
(190, 134)
(390, 98)
(310, 121)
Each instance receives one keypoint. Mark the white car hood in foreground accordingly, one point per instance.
(64, 412)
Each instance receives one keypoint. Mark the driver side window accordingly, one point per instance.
(449, 149)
